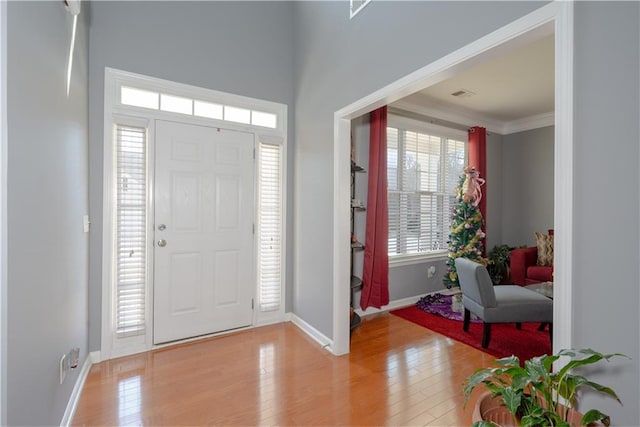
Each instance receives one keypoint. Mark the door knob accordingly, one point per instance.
(162, 243)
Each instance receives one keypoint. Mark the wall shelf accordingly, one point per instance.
(356, 206)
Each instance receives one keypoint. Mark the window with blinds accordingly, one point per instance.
(422, 173)
(130, 230)
(270, 227)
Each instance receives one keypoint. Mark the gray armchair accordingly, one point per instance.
(498, 304)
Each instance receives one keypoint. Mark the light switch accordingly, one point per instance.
(86, 223)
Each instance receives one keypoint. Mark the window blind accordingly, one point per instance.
(422, 173)
(130, 230)
(270, 227)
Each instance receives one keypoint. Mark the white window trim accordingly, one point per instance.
(411, 259)
(116, 112)
(412, 125)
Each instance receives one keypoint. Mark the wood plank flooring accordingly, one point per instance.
(397, 373)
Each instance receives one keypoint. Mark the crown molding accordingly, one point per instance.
(469, 118)
(528, 123)
(444, 112)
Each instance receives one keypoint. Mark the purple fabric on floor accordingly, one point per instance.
(441, 305)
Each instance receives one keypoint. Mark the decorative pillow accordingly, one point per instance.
(544, 242)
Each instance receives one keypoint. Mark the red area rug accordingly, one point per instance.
(505, 338)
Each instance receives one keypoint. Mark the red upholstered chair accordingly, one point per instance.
(524, 268)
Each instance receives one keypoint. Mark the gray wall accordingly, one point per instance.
(46, 199)
(527, 185)
(243, 48)
(605, 221)
(493, 190)
(337, 61)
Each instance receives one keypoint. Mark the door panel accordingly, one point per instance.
(204, 197)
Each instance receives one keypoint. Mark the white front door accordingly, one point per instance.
(203, 226)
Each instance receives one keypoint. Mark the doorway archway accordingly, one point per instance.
(555, 18)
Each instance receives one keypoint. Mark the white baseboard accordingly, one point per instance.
(77, 390)
(315, 334)
(284, 317)
(404, 302)
(96, 357)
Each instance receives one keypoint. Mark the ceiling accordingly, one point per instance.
(508, 92)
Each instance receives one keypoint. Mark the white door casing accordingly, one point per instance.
(204, 197)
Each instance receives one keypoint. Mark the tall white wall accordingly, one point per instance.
(338, 61)
(47, 195)
(244, 48)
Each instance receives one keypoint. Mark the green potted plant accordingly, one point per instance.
(533, 395)
(499, 259)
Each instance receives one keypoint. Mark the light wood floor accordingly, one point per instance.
(397, 373)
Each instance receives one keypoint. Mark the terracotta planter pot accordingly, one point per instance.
(489, 409)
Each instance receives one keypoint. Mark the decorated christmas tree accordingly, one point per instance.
(466, 236)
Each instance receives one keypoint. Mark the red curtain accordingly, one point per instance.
(375, 277)
(478, 158)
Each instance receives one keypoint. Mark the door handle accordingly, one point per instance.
(162, 243)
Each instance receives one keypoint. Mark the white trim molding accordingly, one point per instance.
(402, 260)
(395, 304)
(563, 178)
(464, 117)
(3, 213)
(312, 332)
(553, 18)
(403, 302)
(77, 391)
(530, 123)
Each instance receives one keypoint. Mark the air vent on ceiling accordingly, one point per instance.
(462, 93)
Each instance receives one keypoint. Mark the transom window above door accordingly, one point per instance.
(142, 98)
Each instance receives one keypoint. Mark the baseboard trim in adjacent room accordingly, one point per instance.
(312, 332)
(399, 303)
(77, 389)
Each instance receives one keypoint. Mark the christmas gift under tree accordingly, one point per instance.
(466, 235)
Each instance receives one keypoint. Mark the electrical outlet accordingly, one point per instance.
(63, 368)
(431, 271)
(74, 358)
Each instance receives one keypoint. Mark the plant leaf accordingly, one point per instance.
(509, 361)
(511, 399)
(520, 380)
(483, 423)
(548, 361)
(602, 389)
(476, 378)
(536, 368)
(594, 415)
(575, 363)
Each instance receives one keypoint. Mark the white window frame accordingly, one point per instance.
(117, 113)
(404, 123)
